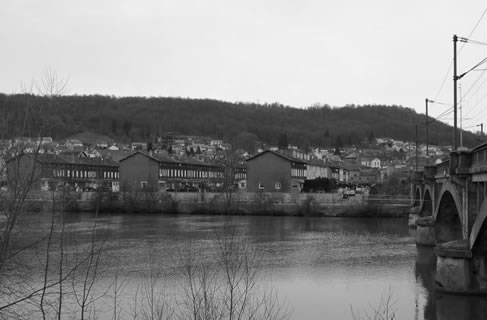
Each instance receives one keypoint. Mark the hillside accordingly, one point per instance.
(139, 118)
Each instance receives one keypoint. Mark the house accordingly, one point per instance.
(369, 176)
(135, 146)
(375, 163)
(352, 157)
(154, 172)
(49, 172)
(371, 162)
(113, 147)
(270, 171)
(73, 144)
(334, 170)
(216, 143)
(353, 173)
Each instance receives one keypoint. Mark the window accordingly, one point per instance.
(277, 186)
(143, 184)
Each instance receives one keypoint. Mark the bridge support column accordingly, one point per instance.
(425, 231)
(459, 271)
(414, 215)
(454, 267)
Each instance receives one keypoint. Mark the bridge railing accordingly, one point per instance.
(389, 199)
(429, 172)
(442, 169)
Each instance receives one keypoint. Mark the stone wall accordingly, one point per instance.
(306, 204)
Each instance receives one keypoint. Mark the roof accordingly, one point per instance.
(60, 159)
(155, 157)
(279, 155)
(161, 158)
(115, 155)
(480, 146)
(351, 167)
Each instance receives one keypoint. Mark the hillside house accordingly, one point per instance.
(270, 171)
(148, 171)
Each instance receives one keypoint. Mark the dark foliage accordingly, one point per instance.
(139, 118)
(320, 185)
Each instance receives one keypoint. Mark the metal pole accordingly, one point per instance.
(461, 114)
(426, 125)
(455, 78)
(416, 148)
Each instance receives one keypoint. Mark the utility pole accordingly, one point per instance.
(461, 114)
(455, 79)
(416, 148)
(426, 126)
(481, 129)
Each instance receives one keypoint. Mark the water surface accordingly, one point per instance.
(322, 268)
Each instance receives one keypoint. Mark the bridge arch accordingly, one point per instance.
(478, 236)
(417, 197)
(427, 208)
(448, 220)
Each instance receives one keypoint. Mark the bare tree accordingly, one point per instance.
(30, 290)
(384, 310)
(149, 300)
(229, 288)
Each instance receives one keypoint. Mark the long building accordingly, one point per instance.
(149, 171)
(49, 172)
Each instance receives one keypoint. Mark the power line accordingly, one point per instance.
(478, 115)
(472, 41)
(442, 103)
(460, 50)
(473, 68)
(470, 110)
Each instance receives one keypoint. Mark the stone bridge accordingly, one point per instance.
(451, 209)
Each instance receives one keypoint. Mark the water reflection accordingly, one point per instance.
(441, 306)
(425, 276)
(457, 307)
(322, 266)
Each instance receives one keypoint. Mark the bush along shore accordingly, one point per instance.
(278, 204)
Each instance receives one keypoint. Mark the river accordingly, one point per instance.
(321, 268)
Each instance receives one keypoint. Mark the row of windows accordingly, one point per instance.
(298, 172)
(240, 176)
(83, 174)
(110, 175)
(185, 173)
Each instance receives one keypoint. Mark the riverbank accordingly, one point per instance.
(242, 203)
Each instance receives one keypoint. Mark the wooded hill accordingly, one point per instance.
(142, 119)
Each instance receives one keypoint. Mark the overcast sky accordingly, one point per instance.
(297, 53)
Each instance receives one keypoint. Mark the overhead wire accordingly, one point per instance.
(474, 93)
(474, 89)
(475, 86)
(484, 111)
(460, 50)
(472, 41)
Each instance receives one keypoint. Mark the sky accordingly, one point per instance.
(297, 53)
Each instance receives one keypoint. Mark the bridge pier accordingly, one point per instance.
(425, 231)
(458, 270)
(414, 215)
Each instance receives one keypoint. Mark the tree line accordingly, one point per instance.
(244, 124)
